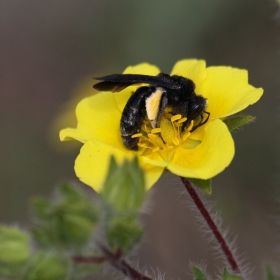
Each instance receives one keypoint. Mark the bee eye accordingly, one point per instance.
(195, 109)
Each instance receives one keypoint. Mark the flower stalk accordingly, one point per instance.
(114, 259)
(121, 265)
(213, 227)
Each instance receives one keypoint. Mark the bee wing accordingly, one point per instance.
(118, 82)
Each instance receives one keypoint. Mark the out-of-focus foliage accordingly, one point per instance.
(65, 229)
(14, 250)
(68, 223)
(270, 275)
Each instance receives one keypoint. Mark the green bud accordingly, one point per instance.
(124, 233)
(14, 245)
(46, 265)
(237, 121)
(73, 229)
(14, 250)
(124, 188)
(204, 185)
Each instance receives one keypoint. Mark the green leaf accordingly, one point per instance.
(237, 121)
(229, 276)
(14, 251)
(269, 274)
(204, 185)
(124, 188)
(123, 232)
(198, 274)
(46, 265)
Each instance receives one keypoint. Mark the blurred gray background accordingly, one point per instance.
(48, 47)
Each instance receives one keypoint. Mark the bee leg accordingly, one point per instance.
(202, 122)
(205, 121)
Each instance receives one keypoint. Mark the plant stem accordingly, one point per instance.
(121, 265)
(114, 260)
(88, 260)
(213, 227)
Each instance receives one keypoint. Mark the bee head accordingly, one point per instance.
(196, 106)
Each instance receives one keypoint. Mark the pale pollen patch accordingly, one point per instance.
(152, 104)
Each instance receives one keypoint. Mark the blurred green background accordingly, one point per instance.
(48, 47)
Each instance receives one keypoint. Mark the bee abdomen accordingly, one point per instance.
(133, 116)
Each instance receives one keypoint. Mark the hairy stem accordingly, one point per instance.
(114, 260)
(121, 265)
(213, 227)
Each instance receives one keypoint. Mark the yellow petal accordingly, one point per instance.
(152, 173)
(92, 164)
(206, 160)
(142, 68)
(154, 159)
(228, 91)
(193, 69)
(209, 158)
(98, 118)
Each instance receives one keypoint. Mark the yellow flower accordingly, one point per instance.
(200, 154)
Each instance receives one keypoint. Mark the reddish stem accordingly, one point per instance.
(121, 265)
(213, 227)
(114, 260)
(88, 260)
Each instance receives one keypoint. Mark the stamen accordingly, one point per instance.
(152, 136)
(142, 145)
(185, 136)
(182, 120)
(176, 141)
(156, 130)
(137, 135)
(191, 125)
(176, 117)
(155, 149)
(166, 138)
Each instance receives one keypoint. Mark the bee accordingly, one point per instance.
(163, 91)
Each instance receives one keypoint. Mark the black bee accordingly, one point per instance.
(174, 92)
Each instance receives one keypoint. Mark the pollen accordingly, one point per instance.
(153, 103)
(173, 132)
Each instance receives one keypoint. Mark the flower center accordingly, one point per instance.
(171, 133)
